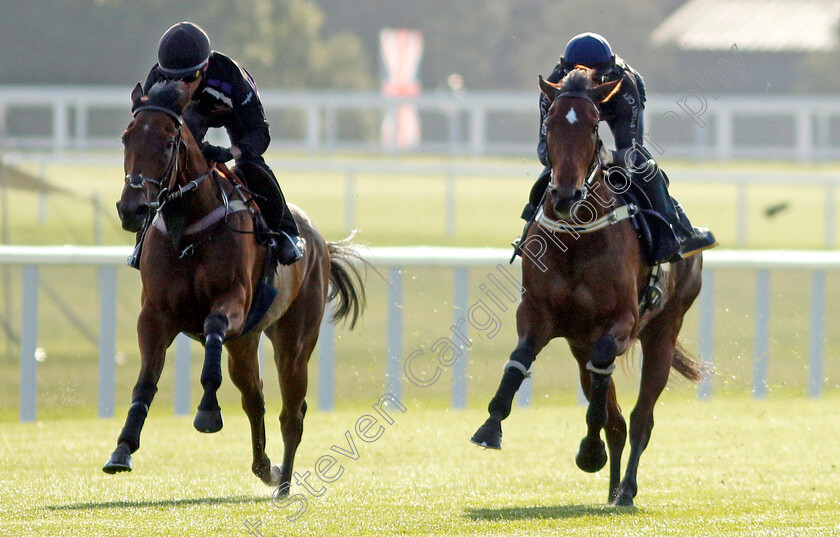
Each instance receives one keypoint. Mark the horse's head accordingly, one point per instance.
(572, 136)
(152, 143)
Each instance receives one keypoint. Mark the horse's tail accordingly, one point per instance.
(347, 283)
(688, 365)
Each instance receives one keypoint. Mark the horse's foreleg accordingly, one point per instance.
(615, 428)
(208, 418)
(153, 344)
(489, 435)
(591, 455)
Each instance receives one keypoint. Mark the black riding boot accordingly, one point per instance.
(530, 209)
(693, 240)
(283, 237)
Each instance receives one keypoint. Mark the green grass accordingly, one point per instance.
(728, 467)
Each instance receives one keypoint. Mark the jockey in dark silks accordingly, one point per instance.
(225, 95)
(623, 112)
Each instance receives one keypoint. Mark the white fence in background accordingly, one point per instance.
(452, 171)
(801, 127)
(108, 259)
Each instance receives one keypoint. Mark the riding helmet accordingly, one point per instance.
(183, 50)
(590, 50)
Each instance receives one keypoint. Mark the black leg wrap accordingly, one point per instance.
(596, 415)
(211, 373)
(499, 406)
(137, 413)
(208, 418)
(524, 356)
(604, 352)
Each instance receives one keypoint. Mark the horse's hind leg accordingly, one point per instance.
(244, 371)
(656, 367)
(294, 338)
(615, 429)
(153, 340)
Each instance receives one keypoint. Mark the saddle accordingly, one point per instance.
(655, 233)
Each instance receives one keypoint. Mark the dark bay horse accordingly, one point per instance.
(584, 272)
(202, 271)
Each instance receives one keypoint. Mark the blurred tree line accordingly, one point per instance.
(492, 44)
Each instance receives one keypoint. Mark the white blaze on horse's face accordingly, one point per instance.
(571, 117)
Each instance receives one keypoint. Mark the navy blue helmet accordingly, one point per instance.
(590, 50)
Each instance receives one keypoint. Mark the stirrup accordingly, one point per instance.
(289, 248)
(133, 260)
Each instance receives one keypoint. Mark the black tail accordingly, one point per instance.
(347, 282)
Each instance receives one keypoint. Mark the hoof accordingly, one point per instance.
(281, 493)
(119, 461)
(489, 435)
(591, 456)
(208, 421)
(624, 500)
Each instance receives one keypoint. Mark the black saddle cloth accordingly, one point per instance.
(656, 236)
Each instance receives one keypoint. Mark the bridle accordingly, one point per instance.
(595, 164)
(164, 194)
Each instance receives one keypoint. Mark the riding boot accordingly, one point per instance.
(693, 240)
(654, 183)
(282, 236)
(530, 210)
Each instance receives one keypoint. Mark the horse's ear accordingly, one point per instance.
(605, 92)
(136, 94)
(551, 90)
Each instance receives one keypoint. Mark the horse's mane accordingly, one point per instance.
(166, 94)
(577, 80)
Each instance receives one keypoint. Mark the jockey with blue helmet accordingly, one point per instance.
(224, 95)
(623, 113)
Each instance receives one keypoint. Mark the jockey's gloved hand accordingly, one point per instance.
(215, 153)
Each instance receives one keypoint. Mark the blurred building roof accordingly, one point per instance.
(753, 25)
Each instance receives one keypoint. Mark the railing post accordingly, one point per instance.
(723, 149)
(313, 128)
(28, 344)
(60, 125)
(707, 330)
(815, 351)
(742, 218)
(393, 371)
(478, 131)
(460, 298)
(182, 375)
(107, 339)
(830, 214)
(762, 333)
(450, 203)
(326, 361)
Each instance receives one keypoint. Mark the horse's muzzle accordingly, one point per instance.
(132, 219)
(564, 198)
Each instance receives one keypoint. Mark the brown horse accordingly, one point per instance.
(202, 272)
(584, 273)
